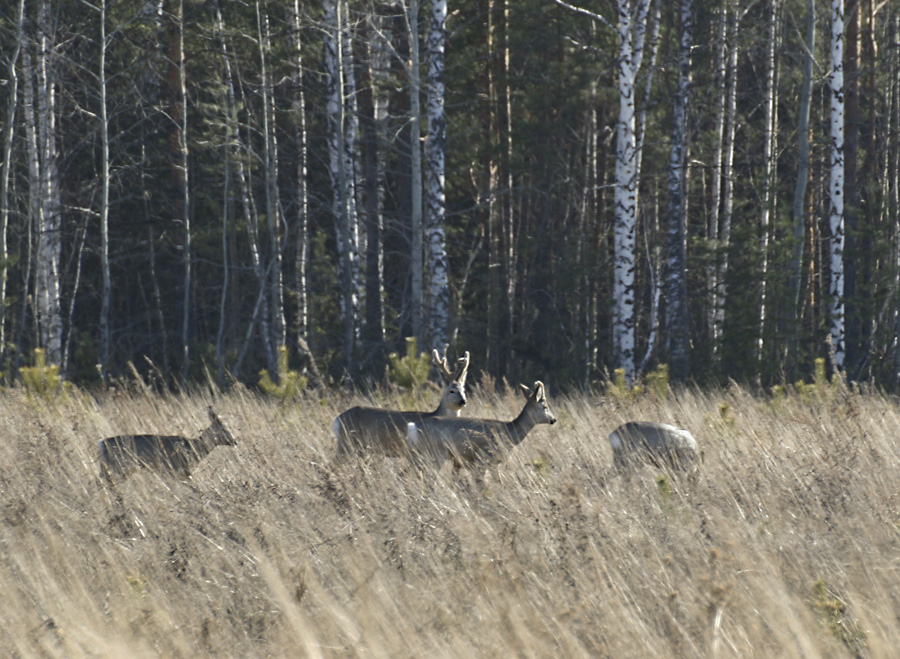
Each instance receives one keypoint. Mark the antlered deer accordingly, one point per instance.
(123, 454)
(477, 443)
(371, 429)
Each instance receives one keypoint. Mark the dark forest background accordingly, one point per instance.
(213, 266)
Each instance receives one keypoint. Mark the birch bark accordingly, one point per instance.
(836, 185)
(343, 206)
(49, 252)
(438, 286)
(8, 136)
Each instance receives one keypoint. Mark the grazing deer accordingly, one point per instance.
(658, 444)
(123, 454)
(371, 429)
(479, 444)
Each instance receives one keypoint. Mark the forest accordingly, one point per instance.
(217, 188)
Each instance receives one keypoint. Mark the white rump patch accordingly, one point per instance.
(615, 441)
(413, 435)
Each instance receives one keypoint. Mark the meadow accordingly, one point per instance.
(787, 545)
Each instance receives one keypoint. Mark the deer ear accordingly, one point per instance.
(525, 390)
(538, 390)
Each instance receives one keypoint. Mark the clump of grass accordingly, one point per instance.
(658, 381)
(621, 390)
(833, 613)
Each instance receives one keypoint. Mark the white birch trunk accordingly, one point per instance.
(340, 176)
(233, 143)
(230, 140)
(715, 186)
(836, 186)
(724, 234)
(438, 286)
(630, 31)
(47, 294)
(769, 134)
(179, 167)
(104, 204)
(273, 203)
(415, 118)
(300, 137)
(8, 136)
(351, 138)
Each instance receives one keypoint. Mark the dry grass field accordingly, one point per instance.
(788, 545)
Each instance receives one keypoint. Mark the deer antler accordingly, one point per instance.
(463, 369)
(443, 366)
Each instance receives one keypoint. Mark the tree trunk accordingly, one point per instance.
(723, 244)
(231, 139)
(342, 201)
(715, 185)
(836, 187)
(370, 55)
(850, 192)
(301, 323)
(8, 135)
(893, 178)
(770, 121)
(273, 202)
(415, 119)
(438, 284)
(798, 208)
(48, 294)
(677, 329)
(179, 166)
(630, 31)
(104, 204)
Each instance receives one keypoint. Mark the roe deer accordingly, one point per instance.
(658, 444)
(362, 429)
(123, 454)
(477, 443)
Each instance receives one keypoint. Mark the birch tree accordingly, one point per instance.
(415, 119)
(798, 207)
(340, 165)
(676, 285)
(768, 183)
(179, 164)
(721, 234)
(631, 31)
(49, 207)
(836, 185)
(720, 79)
(104, 200)
(374, 62)
(274, 219)
(8, 136)
(438, 287)
(301, 329)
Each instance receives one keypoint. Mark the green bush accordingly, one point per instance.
(411, 370)
(43, 379)
(290, 383)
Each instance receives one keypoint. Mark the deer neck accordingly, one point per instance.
(519, 427)
(444, 410)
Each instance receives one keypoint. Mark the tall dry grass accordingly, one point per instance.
(787, 545)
